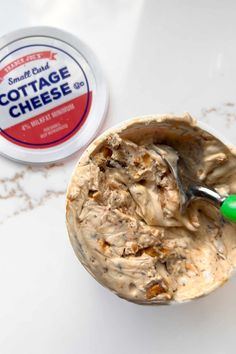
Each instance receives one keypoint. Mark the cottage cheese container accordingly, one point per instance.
(53, 96)
(123, 212)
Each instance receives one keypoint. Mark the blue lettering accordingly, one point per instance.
(64, 72)
(43, 82)
(41, 99)
(65, 89)
(33, 85)
(56, 94)
(10, 81)
(13, 95)
(13, 113)
(46, 98)
(2, 103)
(36, 102)
(54, 77)
(25, 107)
(23, 90)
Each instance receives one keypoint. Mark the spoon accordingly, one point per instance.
(189, 188)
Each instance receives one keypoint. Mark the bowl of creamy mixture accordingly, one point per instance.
(123, 212)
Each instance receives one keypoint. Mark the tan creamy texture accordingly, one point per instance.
(123, 212)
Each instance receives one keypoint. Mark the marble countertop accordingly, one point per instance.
(158, 57)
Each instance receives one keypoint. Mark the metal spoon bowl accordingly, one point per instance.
(189, 188)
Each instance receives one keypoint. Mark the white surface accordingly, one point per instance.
(159, 57)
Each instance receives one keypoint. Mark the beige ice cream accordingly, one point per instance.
(123, 212)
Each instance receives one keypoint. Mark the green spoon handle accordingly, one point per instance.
(228, 207)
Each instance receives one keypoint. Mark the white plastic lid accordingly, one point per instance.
(53, 96)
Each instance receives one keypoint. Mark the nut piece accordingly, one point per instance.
(190, 267)
(97, 196)
(165, 251)
(113, 185)
(103, 244)
(134, 247)
(154, 290)
(106, 152)
(151, 251)
(147, 159)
